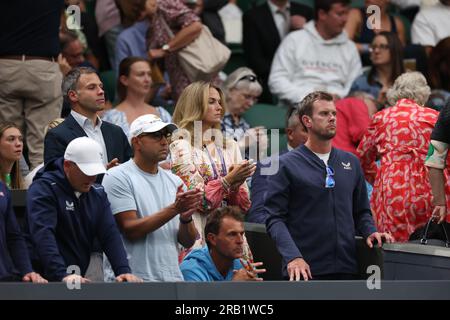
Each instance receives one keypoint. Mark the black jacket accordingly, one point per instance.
(261, 40)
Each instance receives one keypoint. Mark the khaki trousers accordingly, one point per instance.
(30, 96)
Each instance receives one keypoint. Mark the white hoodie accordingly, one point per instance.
(305, 62)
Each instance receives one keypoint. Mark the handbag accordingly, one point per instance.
(424, 239)
(157, 75)
(204, 57)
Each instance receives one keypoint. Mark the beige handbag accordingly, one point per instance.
(204, 57)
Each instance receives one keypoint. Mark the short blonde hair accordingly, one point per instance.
(409, 85)
(193, 105)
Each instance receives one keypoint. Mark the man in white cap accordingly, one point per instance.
(151, 205)
(67, 210)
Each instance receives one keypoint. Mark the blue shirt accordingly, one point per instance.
(362, 84)
(131, 42)
(232, 130)
(199, 266)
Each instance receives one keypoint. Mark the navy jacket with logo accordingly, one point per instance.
(318, 224)
(63, 227)
(14, 259)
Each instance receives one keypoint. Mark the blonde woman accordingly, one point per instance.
(203, 158)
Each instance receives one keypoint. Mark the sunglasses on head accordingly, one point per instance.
(248, 77)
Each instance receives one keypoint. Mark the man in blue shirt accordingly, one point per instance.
(220, 259)
(318, 200)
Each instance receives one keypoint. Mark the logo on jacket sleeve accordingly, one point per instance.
(70, 206)
(346, 166)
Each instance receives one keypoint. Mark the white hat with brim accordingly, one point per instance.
(87, 154)
(149, 123)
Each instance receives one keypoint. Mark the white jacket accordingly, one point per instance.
(305, 62)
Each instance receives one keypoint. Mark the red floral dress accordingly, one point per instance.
(177, 17)
(399, 136)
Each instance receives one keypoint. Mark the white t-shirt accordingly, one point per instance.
(431, 25)
(323, 156)
(155, 257)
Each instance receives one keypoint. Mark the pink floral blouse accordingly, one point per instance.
(195, 168)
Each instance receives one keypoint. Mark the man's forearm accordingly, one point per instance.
(135, 229)
(187, 234)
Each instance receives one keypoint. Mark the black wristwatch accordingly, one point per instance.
(186, 222)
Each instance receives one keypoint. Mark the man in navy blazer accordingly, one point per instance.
(84, 90)
(263, 30)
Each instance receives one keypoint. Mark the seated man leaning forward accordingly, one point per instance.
(151, 205)
(221, 258)
(66, 211)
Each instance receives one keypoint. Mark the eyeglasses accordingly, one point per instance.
(329, 180)
(158, 135)
(372, 47)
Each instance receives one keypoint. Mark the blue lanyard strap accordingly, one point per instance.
(213, 164)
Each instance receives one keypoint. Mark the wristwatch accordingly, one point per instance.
(166, 47)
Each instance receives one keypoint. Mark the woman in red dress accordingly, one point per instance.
(399, 136)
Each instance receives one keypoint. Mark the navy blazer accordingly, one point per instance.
(261, 40)
(57, 139)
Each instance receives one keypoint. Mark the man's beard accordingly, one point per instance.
(326, 135)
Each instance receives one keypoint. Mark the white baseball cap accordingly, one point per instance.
(149, 123)
(87, 154)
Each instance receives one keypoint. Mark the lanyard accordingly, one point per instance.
(213, 164)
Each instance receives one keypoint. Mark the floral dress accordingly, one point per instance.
(204, 168)
(399, 136)
(177, 16)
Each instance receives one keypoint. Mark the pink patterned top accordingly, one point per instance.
(195, 168)
(177, 16)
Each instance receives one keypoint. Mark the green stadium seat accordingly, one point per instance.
(271, 117)
(237, 58)
(267, 115)
(109, 84)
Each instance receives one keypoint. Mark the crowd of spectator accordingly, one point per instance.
(154, 179)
